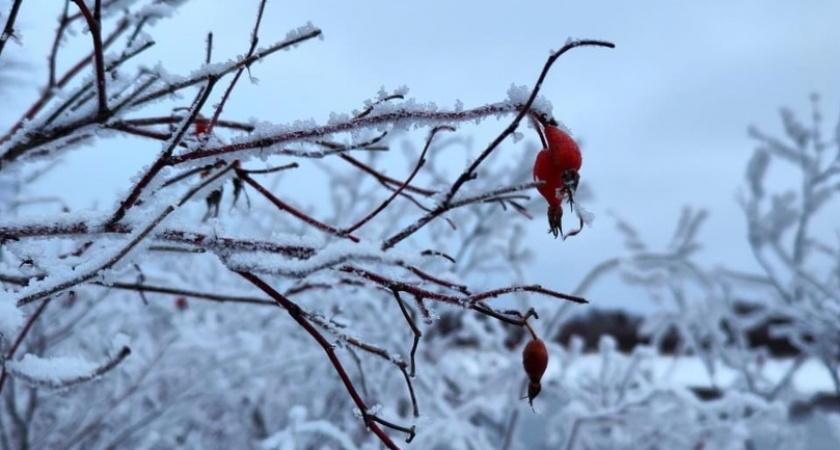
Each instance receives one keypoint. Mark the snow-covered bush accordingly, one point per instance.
(220, 302)
(214, 303)
(751, 334)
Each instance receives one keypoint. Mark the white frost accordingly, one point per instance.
(519, 95)
(11, 319)
(120, 341)
(55, 371)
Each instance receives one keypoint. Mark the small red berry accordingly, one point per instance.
(200, 125)
(544, 170)
(557, 167)
(534, 361)
(181, 303)
(564, 149)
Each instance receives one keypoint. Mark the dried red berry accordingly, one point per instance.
(200, 125)
(544, 170)
(565, 151)
(181, 303)
(534, 361)
(557, 166)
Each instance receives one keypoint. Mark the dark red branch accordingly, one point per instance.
(163, 159)
(382, 178)
(166, 120)
(202, 241)
(254, 41)
(370, 121)
(468, 301)
(95, 25)
(420, 162)
(535, 288)
(22, 334)
(439, 281)
(296, 312)
(9, 29)
(283, 206)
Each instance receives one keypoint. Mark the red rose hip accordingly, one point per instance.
(534, 361)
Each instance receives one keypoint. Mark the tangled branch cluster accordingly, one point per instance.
(195, 162)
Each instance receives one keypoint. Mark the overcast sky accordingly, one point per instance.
(662, 117)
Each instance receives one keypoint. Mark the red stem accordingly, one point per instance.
(95, 26)
(297, 314)
(349, 125)
(420, 161)
(164, 159)
(384, 179)
(9, 29)
(283, 206)
(251, 50)
(467, 301)
(32, 319)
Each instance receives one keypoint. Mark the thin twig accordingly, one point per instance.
(470, 301)
(414, 329)
(289, 166)
(59, 34)
(9, 29)
(191, 239)
(209, 53)
(254, 41)
(188, 293)
(445, 207)
(371, 121)
(372, 349)
(382, 178)
(95, 26)
(22, 334)
(283, 206)
(232, 67)
(296, 312)
(420, 161)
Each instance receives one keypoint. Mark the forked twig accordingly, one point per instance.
(414, 329)
(254, 41)
(283, 206)
(420, 161)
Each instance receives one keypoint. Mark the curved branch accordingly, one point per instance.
(296, 312)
